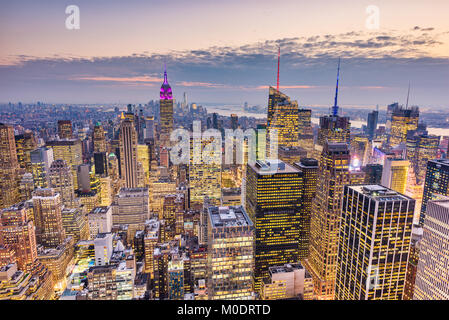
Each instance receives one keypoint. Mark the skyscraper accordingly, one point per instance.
(204, 176)
(305, 130)
(41, 160)
(413, 259)
(175, 283)
(25, 143)
(395, 173)
(128, 153)
(274, 204)
(230, 258)
(333, 128)
(433, 274)
(69, 150)
(282, 117)
(374, 241)
(436, 183)
(75, 223)
(65, 129)
(360, 149)
(17, 232)
(48, 218)
(101, 163)
(373, 173)
(61, 180)
(333, 175)
(371, 124)
(234, 121)
(166, 111)
(291, 155)
(131, 207)
(9, 166)
(402, 121)
(99, 139)
(309, 169)
(420, 149)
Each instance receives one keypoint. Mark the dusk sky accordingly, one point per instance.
(225, 51)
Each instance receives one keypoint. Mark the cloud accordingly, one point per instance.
(202, 84)
(288, 87)
(135, 80)
(371, 62)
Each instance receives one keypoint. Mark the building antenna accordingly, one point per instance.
(279, 59)
(408, 95)
(335, 107)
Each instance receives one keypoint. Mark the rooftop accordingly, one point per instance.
(273, 166)
(289, 267)
(442, 201)
(99, 210)
(441, 161)
(231, 191)
(132, 192)
(379, 193)
(222, 217)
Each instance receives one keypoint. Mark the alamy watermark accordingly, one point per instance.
(372, 281)
(373, 20)
(72, 22)
(207, 147)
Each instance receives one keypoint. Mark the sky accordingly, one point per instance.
(225, 51)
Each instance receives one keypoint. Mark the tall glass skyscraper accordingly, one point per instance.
(334, 128)
(374, 241)
(371, 124)
(282, 117)
(433, 273)
(309, 169)
(273, 202)
(333, 175)
(166, 111)
(402, 121)
(230, 262)
(436, 183)
(9, 166)
(128, 153)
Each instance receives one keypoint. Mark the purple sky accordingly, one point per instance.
(224, 51)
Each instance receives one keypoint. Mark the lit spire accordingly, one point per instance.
(166, 92)
(279, 60)
(335, 107)
(165, 74)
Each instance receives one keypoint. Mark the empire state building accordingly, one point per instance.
(166, 111)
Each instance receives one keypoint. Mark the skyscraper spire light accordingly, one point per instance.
(279, 59)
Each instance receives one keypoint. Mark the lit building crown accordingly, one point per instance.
(166, 93)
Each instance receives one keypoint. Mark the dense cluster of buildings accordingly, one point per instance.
(104, 212)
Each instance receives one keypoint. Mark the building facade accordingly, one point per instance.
(374, 241)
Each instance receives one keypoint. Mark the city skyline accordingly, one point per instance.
(117, 56)
(317, 170)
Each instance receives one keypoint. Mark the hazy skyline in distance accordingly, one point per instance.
(225, 52)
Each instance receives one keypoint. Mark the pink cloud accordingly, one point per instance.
(140, 79)
(202, 84)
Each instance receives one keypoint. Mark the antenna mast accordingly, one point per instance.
(408, 95)
(335, 107)
(279, 59)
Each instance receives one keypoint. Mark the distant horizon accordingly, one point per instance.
(220, 104)
(119, 51)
